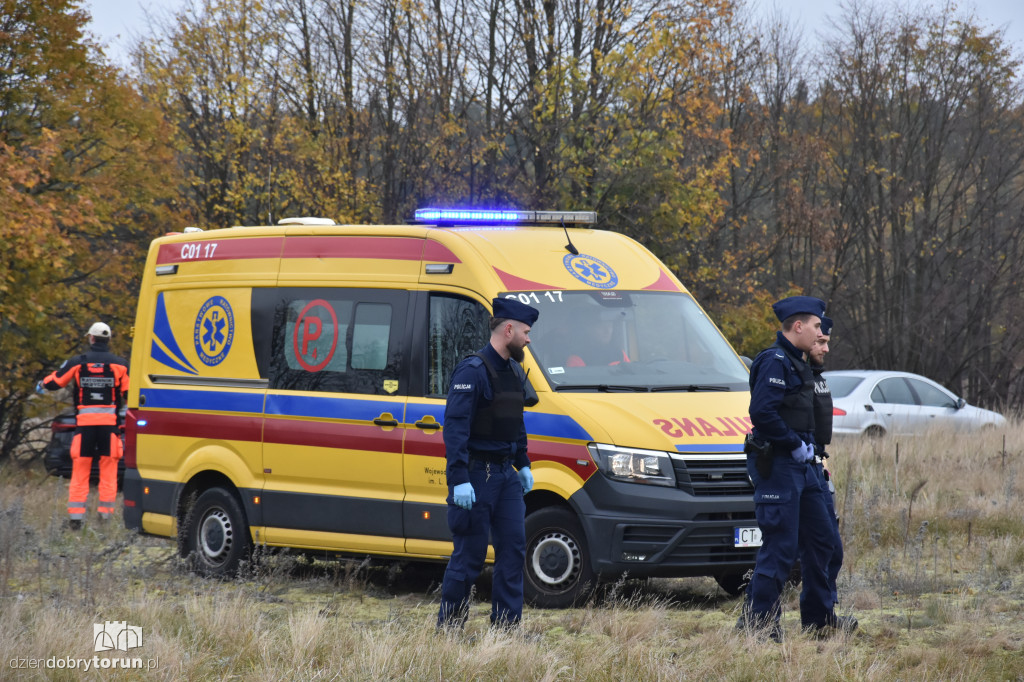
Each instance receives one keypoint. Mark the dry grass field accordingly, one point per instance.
(934, 533)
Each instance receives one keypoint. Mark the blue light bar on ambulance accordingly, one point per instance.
(487, 217)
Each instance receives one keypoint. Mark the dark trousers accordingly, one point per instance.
(499, 513)
(835, 563)
(795, 521)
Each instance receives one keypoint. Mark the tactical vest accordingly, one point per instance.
(502, 418)
(797, 409)
(822, 411)
(96, 384)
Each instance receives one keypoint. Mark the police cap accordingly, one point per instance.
(797, 305)
(826, 325)
(514, 309)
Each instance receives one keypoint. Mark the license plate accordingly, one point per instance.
(747, 537)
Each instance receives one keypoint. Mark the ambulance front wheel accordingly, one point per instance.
(216, 535)
(558, 572)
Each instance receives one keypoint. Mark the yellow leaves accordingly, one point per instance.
(81, 172)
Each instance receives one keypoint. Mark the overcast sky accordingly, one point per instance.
(115, 22)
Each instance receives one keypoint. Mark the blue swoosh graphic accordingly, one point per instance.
(162, 331)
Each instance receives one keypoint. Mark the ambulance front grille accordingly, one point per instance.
(712, 477)
(711, 545)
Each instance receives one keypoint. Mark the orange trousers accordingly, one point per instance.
(81, 467)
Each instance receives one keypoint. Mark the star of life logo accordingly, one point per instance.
(117, 635)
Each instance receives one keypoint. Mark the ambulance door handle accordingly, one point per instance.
(432, 424)
(385, 420)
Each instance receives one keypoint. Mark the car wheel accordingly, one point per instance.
(557, 572)
(874, 431)
(216, 538)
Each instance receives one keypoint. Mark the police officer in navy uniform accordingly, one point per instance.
(789, 497)
(822, 438)
(488, 469)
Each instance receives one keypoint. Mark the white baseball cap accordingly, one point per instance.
(100, 330)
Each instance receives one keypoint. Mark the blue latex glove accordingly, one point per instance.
(464, 495)
(804, 453)
(40, 388)
(526, 478)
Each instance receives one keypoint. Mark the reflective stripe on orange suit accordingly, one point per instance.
(100, 380)
(81, 468)
(108, 477)
(89, 411)
(78, 492)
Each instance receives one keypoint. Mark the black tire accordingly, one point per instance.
(557, 572)
(216, 535)
(874, 431)
(732, 584)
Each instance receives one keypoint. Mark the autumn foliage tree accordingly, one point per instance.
(85, 178)
(368, 110)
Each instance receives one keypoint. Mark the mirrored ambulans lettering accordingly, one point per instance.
(214, 330)
(591, 271)
(314, 335)
(677, 427)
(165, 349)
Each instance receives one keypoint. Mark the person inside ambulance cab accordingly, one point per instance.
(99, 381)
(598, 343)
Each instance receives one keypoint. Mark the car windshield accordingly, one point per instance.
(842, 385)
(630, 341)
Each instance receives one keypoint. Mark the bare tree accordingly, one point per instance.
(923, 123)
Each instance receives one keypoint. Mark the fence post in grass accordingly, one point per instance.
(897, 465)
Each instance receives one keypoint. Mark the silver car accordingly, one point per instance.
(876, 402)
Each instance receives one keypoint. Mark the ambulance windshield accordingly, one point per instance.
(630, 341)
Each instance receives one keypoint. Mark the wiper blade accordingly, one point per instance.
(604, 388)
(691, 388)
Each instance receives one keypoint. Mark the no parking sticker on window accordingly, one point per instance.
(214, 330)
(312, 346)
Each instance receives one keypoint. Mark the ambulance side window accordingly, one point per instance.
(457, 327)
(338, 340)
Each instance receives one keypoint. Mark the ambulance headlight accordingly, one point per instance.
(651, 467)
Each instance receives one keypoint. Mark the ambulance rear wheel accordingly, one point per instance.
(216, 538)
(557, 572)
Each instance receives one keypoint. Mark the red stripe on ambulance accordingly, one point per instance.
(331, 435)
(224, 249)
(383, 248)
(196, 425)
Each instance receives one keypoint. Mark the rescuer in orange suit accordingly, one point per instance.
(99, 380)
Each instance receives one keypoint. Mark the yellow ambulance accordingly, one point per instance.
(289, 382)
